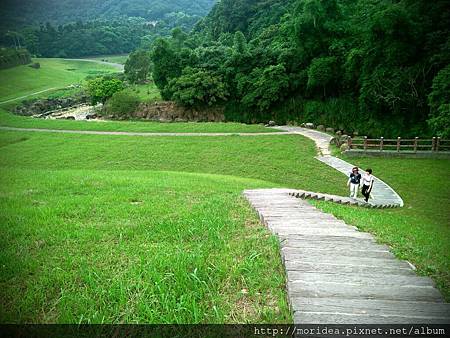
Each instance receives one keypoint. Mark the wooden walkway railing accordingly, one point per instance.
(436, 144)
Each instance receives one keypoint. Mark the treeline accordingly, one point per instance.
(16, 14)
(100, 37)
(378, 67)
(11, 57)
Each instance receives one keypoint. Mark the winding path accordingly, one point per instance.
(335, 273)
(382, 194)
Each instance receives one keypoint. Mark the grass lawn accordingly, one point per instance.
(10, 120)
(116, 229)
(120, 229)
(122, 58)
(146, 92)
(54, 73)
(419, 232)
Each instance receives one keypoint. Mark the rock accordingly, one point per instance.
(355, 133)
(321, 127)
(272, 124)
(302, 125)
(336, 141)
(344, 138)
(338, 132)
(344, 147)
(329, 130)
(309, 125)
(70, 118)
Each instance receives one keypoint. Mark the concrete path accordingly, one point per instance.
(337, 274)
(382, 193)
(148, 134)
(28, 95)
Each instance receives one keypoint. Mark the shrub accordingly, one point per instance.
(122, 104)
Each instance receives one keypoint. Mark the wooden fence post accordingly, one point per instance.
(381, 143)
(438, 142)
(365, 143)
(415, 144)
(433, 144)
(349, 142)
(398, 144)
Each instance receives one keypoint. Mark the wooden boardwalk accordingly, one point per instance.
(337, 274)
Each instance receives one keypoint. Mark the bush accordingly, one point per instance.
(122, 104)
(102, 88)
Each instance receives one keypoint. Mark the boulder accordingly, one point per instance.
(70, 118)
(355, 133)
(321, 127)
(338, 133)
(329, 130)
(309, 125)
(272, 124)
(344, 147)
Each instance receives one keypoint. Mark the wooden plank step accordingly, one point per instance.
(390, 292)
(325, 232)
(340, 318)
(343, 245)
(354, 279)
(346, 260)
(315, 251)
(345, 269)
(374, 307)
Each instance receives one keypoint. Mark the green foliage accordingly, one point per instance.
(322, 72)
(11, 57)
(138, 66)
(94, 27)
(101, 89)
(378, 58)
(122, 104)
(263, 87)
(198, 87)
(167, 65)
(439, 101)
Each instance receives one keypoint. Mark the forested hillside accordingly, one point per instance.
(26, 12)
(376, 66)
(69, 28)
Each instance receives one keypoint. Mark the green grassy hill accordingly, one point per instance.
(53, 74)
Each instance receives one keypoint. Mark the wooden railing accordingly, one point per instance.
(436, 144)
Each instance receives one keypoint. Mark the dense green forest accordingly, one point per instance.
(52, 28)
(15, 13)
(376, 66)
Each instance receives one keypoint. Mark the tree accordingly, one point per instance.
(166, 66)
(198, 87)
(101, 89)
(138, 66)
(439, 101)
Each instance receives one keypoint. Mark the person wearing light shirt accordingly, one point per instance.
(367, 184)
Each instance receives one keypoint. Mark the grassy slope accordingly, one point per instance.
(420, 231)
(111, 58)
(10, 120)
(92, 233)
(54, 73)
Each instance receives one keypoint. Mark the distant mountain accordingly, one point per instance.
(17, 13)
